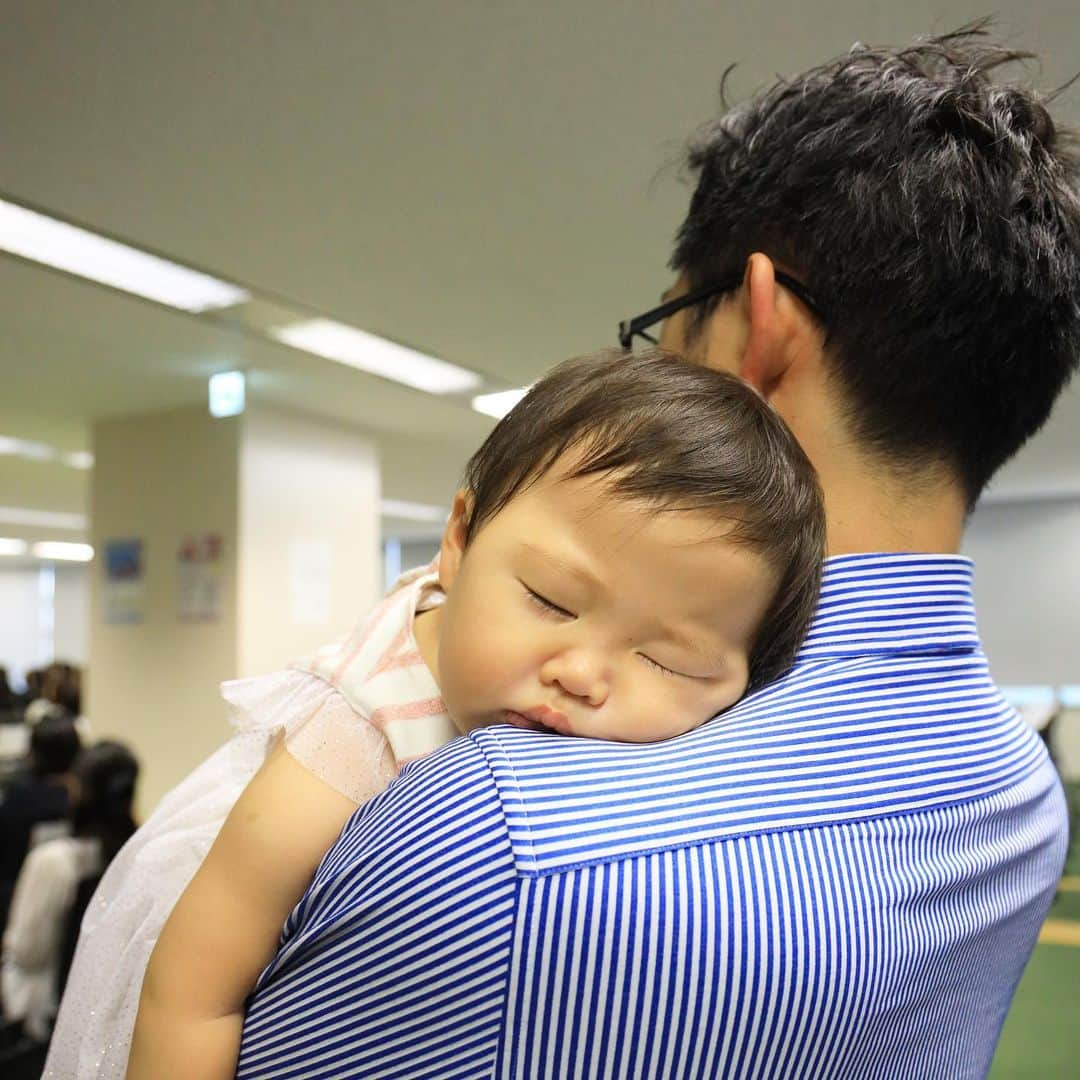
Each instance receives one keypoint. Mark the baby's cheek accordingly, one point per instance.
(499, 660)
(675, 710)
(476, 664)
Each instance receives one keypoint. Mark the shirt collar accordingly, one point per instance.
(893, 603)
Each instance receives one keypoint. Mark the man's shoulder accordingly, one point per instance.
(839, 740)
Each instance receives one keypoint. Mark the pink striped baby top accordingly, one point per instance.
(395, 712)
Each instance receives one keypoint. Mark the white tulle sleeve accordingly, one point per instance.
(322, 731)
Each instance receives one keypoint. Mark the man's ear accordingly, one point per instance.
(452, 549)
(765, 356)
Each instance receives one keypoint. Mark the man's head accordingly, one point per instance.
(637, 542)
(934, 217)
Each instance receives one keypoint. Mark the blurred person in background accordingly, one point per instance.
(35, 802)
(9, 700)
(58, 684)
(32, 691)
(67, 689)
(54, 875)
(60, 689)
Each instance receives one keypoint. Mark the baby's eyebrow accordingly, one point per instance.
(573, 570)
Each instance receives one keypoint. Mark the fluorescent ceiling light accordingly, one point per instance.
(25, 448)
(79, 251)
(54, 549)
(498, 405)
(410, 511)
(375, 355)
(12, 547)
(17, 515)
(35, 451)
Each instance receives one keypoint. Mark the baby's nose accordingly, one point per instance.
(580, 673)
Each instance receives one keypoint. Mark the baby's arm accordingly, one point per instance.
(224, 929)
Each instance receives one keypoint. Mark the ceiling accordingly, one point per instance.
(490, 183)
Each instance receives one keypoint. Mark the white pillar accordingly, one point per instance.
(294, 501)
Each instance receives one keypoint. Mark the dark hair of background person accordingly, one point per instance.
(8, 700)
(54, 745)
(62, 684)
(35, 677)
(106, 773)
(673, 436)
(934, 216)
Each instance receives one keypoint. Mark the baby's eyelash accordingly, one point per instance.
(545, 604)
(660, 667)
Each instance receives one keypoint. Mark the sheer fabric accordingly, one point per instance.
(97, 1016)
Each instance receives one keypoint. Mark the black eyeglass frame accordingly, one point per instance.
(636, 327)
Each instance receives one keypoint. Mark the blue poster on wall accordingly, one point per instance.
(124, 597)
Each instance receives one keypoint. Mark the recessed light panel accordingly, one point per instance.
(498, 405)
(375, 355)
(63, 552)
(78, 251)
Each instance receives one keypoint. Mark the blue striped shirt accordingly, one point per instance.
(843, 876)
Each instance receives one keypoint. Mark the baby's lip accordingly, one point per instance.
(523, 720)
(543, 718)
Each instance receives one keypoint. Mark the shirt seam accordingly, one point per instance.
(492, 751)
(604, 860)
(487, 754)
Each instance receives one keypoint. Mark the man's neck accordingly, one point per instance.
(866, 512)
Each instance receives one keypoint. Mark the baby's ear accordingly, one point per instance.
(452, 550)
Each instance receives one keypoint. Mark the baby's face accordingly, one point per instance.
(577, 612)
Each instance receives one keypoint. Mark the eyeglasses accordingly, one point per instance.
(636, 327)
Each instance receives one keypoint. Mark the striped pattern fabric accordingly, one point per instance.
(841, 877)
(379, 671)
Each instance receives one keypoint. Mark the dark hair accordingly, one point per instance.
(935, 217)
(7, 695)
(34, 678)
(62, 684)
(107, 772)
(54, 744)
(676, 437)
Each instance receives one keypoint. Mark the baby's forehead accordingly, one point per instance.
(594, 503)
(625, 544)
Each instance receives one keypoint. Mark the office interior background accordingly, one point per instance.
(457, 195)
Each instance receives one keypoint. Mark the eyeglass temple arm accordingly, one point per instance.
(629, 328)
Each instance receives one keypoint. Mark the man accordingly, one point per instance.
(845, 874)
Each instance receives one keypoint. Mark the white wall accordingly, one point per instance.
(1027, 588)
